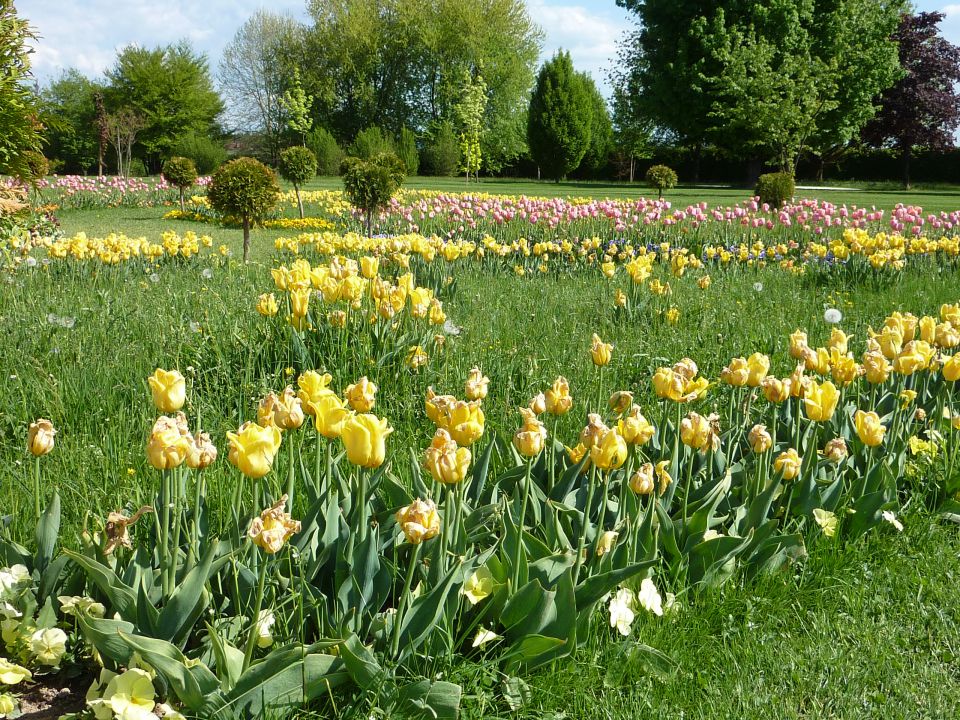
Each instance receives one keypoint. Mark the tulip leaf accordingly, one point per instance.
(430, 700)
(229, 659)
(147, 615)
(50, 578)
(104, 635)
(703, 518)
(360, 662)
(480, 469)
(425, 611)
(532, 647)
(866, 513)
(185, 605)
(773, 553)
(48, 530)
(122, 597)
(191, 684)
(596, 586)
(713, 562)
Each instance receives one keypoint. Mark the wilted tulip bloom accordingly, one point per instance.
(476, 386)
(593, 431)
(40, 437)
(167, 447)
(641, 482)
(267, 305)
(820, 401)
(288, 411)
(201, 452)
(876, 367)
(620, 401)
(419, 521)
(798, 345)
(736, 373)
(698, 432)
(635, 428)
(774, 389)
(117, 529)
(253, 448)
(606, 542)
(273, 528)
(328, 414)
(361, 396)
(558, 398)
(759, 439)
(538, 404)
(788, 463)
(686, 368)
(532, 435)
(364, 437)
(445, 461)
(266, 410)
(663, 476)
(835, 450)
(438, 407)
(313, 386)
(620, 298)
(169, 390)
(869, 428)
(610, 452)
(600, 352)
(416, 357)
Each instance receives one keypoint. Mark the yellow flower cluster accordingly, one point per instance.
(117, 248)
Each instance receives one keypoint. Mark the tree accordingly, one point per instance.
(170, 88)
(74, 141)
(597, 154)
(407, 151)
(369, 184)
(244, 188)
(441, 151)
(327, 150)
(181, 173)
(253, 71)
(632, 133)
(123, 127)
(372, 141)
(923, 107)
(19, 116)
(296, 104)
(298, 166)
(469, 114)
(103, 129)
(558, 127)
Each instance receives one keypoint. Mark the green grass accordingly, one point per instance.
(866, 630)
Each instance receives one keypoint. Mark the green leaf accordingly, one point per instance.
(104, 635)
(596, 586)
(229, 659)
(48, 530)
(192, 685)
(122, 597)
(429, 700)
(186, 603)
(360, 662)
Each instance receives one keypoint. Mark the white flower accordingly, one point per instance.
(154, 278)
(207, 273)
(832, 316)
(649, 597)
(758, 286)
(891, 518)
(68, 322)
(265, 622)
(48, 646)
(621, 611)
(194, 326)
(484, 636)
(30, 262)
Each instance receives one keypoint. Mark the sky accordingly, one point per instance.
(86, 34)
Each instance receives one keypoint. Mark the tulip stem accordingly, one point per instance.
(255, 618)
(291, 476)
(317, 465)
(581, 545)
(520, 523)
(686, 485)
(401, 608)
(36, 488)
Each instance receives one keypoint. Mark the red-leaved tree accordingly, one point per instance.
(923, 108)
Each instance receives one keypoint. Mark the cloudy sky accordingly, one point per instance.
(87, 33)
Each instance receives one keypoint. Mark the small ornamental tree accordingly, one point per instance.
(244, 188)
(662, 178)
(298, 165)
(369, 184)
(181, 173)
(775, 189)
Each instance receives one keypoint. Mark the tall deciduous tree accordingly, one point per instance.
(601, 130)
(170, 88)
(19, 120)
(923, 107)
(561, 110)
(74, 141)
(469, 113)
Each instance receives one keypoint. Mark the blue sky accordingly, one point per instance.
(86, 34)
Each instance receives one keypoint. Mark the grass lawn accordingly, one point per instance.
(865, 629)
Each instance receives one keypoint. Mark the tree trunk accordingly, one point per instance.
(633, 162)
(697, 153)
(296, 190)
(906, 156)
(820, 168)
(369, 222)
(182, 208)
(246, 239)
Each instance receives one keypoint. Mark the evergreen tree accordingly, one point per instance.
(561, 114)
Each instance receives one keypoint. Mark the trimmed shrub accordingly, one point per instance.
(369, 184)
(328, 152)
(181, 173)
(298, 165)
(244, 188)
(207, 154)
(371, 142)
(662, 178)
(775, 189)
(407, 151)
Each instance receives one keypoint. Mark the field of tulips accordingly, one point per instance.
(511, 458)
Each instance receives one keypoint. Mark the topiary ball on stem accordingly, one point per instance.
(298, 166)
(244, 188)
(662, 178)
(181, 173)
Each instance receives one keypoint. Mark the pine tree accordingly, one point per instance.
(561, 111)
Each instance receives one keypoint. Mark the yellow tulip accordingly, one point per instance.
(838, 341)
(635, 428)
(820, 401)
(876, 367)
(40, 437)
(620, 401)
(476, 385)
(686, 368)
(600, 352)
(915, 356)
(663, 476)
(419, 521)
(736, 373)
(465, 421)
(201, 452)
(361, 395)
(947, 335)
(267, 305)
(558, 398)
(606, 541)
(538, 404)
(759, 439)
(369, 266)
(890, 341)
(446, 462)
(758, 365)
(267, 410)
(437, 316)
(288, 411)
(951, 368)
(329, 414)
(168, 444)
(300, 302)
(835, 450)
(416, 357)
(928, 328)
(253, 448)
(530, 439)
(798, 345)
(273, 528)
(364, 437)
(169, 390)
(641, 482)
(774, 389)
(593, 431)
(788, 463)
(843, 368)
(869, 428)
(699, 432)
(313, 386)
(817, 361)
(611, 452)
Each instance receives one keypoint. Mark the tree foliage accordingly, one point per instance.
(370, 183)
(19, 116)
(74, 141)
(441, 151)
(296, 104)
(468, 114)
(181, 173)
(244, 188)
(923, 107)
(326, 149)
(661, 177)
(558, 126)
(597, 154)
(298, 166)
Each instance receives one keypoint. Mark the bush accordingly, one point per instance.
(245, 188)
(207, 154)
(298, 165)
(662, 178)
(327, 151)
(181, 173)
(775, 189)
(441, 153)
(37, 165)
(372, 142)
(369, 184)
(407, 151)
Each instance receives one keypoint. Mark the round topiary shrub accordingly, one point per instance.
(244, 188)
(775, 189)
(298, 166)
(662, 178)
(369, 184)
(181, 173)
